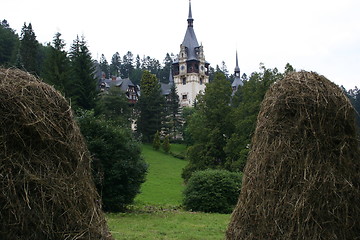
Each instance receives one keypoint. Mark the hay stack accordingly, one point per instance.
(46, 189)
(302, 177)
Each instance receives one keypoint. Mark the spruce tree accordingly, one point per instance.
(174, 117)
(28, 50)
(115, 65)
(127, 66)
(150, 107)
(9, 42)
(57, 66)
(83, 80)
(156, 141)
(104, 66)
(166, 144)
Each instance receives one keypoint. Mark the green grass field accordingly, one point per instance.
(157, 214)
(164, 184)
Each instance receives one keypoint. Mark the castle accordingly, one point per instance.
(190, 69)
(189, 73)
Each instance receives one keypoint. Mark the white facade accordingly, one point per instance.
(190, 68)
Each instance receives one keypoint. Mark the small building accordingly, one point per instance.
(131, 90)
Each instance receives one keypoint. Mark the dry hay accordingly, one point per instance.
(46, 189)
(302, 177)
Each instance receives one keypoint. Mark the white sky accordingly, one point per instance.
(314, 35)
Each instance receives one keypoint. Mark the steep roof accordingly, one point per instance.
(190, 41)
(237, 81)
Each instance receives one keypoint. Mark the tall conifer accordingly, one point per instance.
(28, 50)
(57, 66)
(150, 107)
(83, 78)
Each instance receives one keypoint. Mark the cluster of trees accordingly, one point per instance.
(220, 127)
(73, 72)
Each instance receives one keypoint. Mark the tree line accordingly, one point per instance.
(217, 129)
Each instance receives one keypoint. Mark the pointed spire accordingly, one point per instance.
(190, 19)
(171, 79)
(237, 69)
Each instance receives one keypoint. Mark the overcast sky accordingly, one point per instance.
(313, 35)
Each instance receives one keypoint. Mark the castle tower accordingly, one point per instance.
(237, 81)
(190, 70)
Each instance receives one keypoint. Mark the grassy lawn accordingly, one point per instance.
(164, 184)
(178, 225)
(157, 214)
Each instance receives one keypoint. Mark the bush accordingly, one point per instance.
(118, 168)
(156, 142)
(166, 144)
(212, 191)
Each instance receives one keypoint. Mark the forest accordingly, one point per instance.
(217, 130)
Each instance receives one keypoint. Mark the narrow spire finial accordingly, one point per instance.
(190, 19)
(237, 68)
(237, 61)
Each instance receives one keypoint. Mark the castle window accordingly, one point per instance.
(201, 81)
(184, 81)
(184, 97)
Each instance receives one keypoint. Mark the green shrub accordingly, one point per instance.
(166, 144)
(156, 142)
(118, 168)
(212, 191)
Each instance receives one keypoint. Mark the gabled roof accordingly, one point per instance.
(118, 82)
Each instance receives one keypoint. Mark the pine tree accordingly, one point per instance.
(174, 116)
(150, 107)
(156, 141)
(83, 80)
(57, 66)
(166, 144)
(127, 66)
(28, 49)
(9, 42)
(115, 65)
(104, 66)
